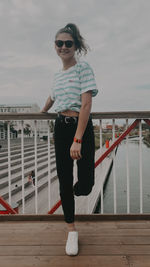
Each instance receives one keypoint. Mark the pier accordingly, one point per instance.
(104, 241)
(37, 238)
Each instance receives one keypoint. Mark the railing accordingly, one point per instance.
(39, 156)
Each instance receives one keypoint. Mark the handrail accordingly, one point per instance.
(138, 115)
(95, 115)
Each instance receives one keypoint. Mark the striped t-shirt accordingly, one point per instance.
(69, 84)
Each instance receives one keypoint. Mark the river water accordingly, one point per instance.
(121, 180)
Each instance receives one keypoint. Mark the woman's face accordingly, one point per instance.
(65, 52)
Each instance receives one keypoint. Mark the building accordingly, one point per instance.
(28, 124)
(20, 108)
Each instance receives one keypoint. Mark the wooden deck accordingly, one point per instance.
(104, 241)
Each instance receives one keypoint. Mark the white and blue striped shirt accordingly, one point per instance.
(70, 84)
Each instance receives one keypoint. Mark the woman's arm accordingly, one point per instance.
(48, 105)
(86, 98)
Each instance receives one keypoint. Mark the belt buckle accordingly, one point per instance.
(66, 120)
(70, 119)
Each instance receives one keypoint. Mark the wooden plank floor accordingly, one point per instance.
(104, 241)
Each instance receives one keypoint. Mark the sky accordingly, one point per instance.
(117, 32)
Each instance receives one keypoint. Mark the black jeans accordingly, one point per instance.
(64, 134)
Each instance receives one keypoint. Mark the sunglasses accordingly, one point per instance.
(67, 43)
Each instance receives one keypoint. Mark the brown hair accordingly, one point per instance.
(73, 30)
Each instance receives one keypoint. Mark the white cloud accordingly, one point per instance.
(116, 30)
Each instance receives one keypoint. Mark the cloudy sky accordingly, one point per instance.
(117, 32)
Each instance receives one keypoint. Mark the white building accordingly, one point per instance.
(28, 124)
(22, 108)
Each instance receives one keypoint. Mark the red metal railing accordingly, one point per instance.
(55, 207)
(8, 208)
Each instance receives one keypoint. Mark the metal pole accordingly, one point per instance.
(100, 134)
(140, 167)
(101, 151)
(114, 171)
(35, 152)
(127, 167)
(22, 164)
(49, 167)
(9, 161)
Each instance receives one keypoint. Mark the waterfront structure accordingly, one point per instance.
(29, 124)
(45, 170)
(105, 240)
(19, 108)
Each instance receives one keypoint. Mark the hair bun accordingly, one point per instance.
(72, 27)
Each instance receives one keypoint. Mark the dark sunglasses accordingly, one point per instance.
(67, 43)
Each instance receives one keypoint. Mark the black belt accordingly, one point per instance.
(67, 119)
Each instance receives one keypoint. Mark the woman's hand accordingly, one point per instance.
(75, 151)
(48, 105)
(43, 111)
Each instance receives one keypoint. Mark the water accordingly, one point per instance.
(121, 180)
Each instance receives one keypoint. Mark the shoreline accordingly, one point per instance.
(146, 140)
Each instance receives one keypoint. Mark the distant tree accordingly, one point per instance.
(27, 129)
(12, 129)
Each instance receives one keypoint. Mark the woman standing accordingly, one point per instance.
(72, 91)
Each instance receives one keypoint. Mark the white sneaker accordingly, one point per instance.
(72, 243)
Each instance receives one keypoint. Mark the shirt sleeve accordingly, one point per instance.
(87, 80)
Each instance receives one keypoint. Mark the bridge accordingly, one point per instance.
(37, 238)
